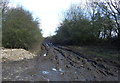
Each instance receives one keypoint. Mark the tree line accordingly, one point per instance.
(19, 28)
(94, 23)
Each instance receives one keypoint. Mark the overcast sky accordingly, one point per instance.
(49, 11)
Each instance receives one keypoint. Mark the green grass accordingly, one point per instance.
(104, 54)
(99, 51)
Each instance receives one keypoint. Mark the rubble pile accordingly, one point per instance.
(15, 54)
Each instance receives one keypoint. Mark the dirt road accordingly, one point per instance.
(58, 63)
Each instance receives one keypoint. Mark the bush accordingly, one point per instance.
(20, 30)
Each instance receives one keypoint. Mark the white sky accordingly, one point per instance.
(49, 12)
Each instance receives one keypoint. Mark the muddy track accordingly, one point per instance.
(77, 56)
(58, 63)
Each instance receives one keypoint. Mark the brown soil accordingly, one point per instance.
(58, 63)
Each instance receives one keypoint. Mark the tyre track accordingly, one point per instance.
(99, 67)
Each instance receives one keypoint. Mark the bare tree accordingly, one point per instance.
(114, 7)
(3, 5)
(111, 7)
